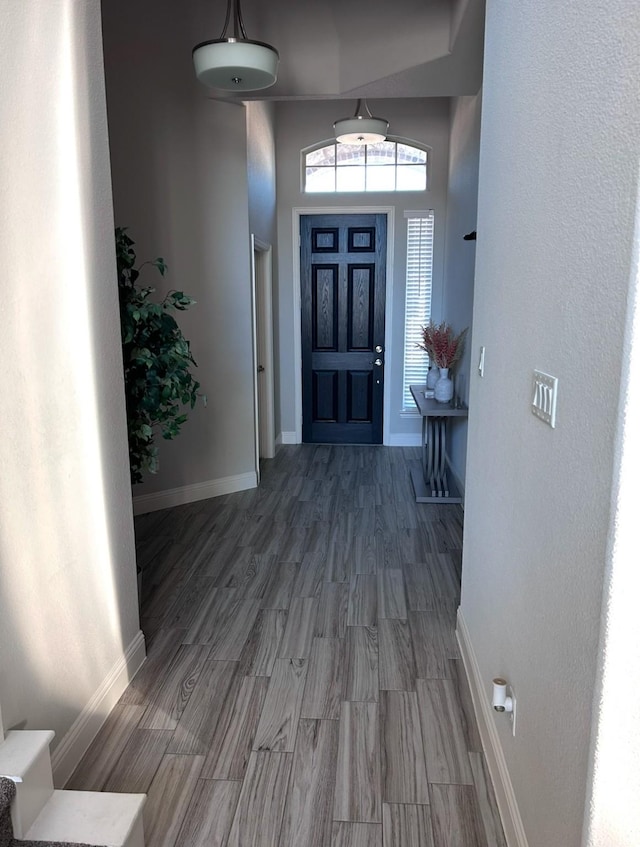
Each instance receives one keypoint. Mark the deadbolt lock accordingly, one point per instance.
(378, 348)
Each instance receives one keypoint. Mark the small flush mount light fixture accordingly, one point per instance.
(235, 63)
(362, 128)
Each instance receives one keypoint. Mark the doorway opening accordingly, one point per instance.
(263, 381)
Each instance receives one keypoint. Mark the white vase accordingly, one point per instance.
(444, 387)
(433, 375)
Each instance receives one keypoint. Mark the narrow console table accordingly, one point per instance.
(434, 484)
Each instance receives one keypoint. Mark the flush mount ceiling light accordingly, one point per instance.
(235, 63)
(362, 128)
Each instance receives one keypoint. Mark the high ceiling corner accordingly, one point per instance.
(347, 48)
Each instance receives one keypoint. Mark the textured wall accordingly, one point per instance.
(612, 815)
(68, 599)
(302, 124)
(460, 255)
(557, 194)
(179, 162)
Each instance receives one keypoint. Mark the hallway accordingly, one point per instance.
(303, 686)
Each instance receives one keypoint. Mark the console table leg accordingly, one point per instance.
(444, 487)
(438, 461)
(431, 458)
(424, 447)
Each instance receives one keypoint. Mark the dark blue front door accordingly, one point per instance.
(343, 266)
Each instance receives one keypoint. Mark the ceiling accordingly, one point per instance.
(368, 48)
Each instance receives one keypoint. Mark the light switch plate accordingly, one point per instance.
(545, 393)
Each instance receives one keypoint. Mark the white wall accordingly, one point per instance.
(68, 600)
(301, 124)
(612, 813)
(460, 255)
(179, 163)
(557, 197)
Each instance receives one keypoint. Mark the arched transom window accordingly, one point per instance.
(391, 165)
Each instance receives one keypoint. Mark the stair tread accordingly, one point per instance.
(19, 750)
(92, 817)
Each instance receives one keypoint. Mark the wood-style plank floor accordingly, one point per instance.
(303, 686)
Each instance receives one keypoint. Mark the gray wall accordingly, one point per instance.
(68, 599)
(559, 150)
(261, 169)
(179, 163)
(462, 202)
(301, 124)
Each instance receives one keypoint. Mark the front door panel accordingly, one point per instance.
(343, 265)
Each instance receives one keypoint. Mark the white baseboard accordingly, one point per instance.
(403, 439)
(288, 438)
(505, 796)
(66, 757)
(191, 493)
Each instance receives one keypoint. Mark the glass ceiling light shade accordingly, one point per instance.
(235, 63)
(362, 128)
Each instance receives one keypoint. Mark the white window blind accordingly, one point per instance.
(418, 298)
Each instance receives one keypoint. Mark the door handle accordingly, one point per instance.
(377, 362)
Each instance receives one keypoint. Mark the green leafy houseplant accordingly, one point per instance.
(157, 360)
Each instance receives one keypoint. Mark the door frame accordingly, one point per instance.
(261, 274)
(297, 212)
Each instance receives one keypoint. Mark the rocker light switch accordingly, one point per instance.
(545, 392)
